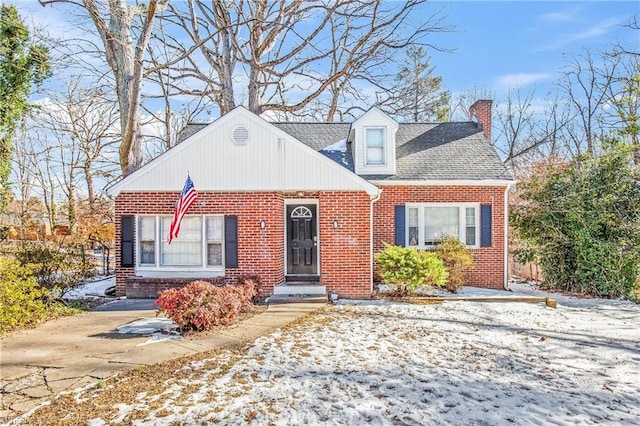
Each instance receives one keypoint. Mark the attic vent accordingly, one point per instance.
(240, 135)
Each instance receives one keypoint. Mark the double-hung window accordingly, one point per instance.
(375, 146)
(198, 247)
(428, 223)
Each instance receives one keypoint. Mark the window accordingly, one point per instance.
(147, 240)
(200, 244)
(375, 143)
(427, 224)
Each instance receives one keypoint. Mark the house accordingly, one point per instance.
(310, 203)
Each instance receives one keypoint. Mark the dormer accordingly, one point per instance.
(374, 143)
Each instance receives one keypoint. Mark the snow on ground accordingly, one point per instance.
(91, 289)
(393, 363)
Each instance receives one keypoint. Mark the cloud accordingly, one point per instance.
(563, 16)
(514, 81)
(599, 29)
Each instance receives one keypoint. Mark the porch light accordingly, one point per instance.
(263, 224)
(336, 225)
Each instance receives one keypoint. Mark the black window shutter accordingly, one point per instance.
(126, 241)
(231, 241)
(485, 225)
(400, 225)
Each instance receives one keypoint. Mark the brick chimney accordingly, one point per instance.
(481, 110)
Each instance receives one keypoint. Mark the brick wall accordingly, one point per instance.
(260, 251)
(489, 261)
(344, 253)
(346, 250)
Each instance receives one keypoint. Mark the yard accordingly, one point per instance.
(393, 363)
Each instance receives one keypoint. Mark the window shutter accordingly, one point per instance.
(485, 225)
(126, 241)
(400, 225)
(231, 241)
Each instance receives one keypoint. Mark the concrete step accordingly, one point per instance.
(299, 289)
(296, 298)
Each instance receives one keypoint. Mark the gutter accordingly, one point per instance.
(373, 200)
(506, 237)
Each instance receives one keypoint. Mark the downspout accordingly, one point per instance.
(506, 237)
(373, 200)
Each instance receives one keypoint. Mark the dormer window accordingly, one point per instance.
(375, 146)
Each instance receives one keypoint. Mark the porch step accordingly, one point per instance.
(303, 283)
(300, 289)
(296, 298)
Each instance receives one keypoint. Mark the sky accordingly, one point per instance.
(502, 44)
(497, 44)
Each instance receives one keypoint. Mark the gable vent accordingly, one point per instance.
(240, 135)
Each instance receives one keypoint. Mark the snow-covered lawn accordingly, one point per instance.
(393, 363)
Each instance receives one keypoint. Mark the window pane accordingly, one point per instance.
(374, 142)
(147, 228)
(214, 229)
(471, 216)
(214, 254)
(375, 137)
(186, 250)
(375, 156)
(147, 238)
(440, 222)
(412, 223)
(470, 234)
(147, 253)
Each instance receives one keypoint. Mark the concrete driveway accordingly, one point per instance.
(71, 352)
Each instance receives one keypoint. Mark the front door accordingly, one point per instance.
(302, 243)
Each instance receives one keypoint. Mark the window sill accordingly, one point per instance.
(179, 272)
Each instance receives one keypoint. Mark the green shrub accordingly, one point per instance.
(200, 305)
(580, 221)
(409, 268)
(457, 259)
(21, 298)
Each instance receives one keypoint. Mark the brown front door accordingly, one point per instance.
(302, 247)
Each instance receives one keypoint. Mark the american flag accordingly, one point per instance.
(187, 197)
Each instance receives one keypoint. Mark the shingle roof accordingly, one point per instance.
(425, 151)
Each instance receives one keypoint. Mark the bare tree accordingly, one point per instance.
(176, 109)
(276, 49)
(114, 22)
(528, 128)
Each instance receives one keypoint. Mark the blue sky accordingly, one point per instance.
(498, 44)
(522, 43)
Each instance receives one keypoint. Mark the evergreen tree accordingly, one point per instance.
(22, 64)
(419, 96)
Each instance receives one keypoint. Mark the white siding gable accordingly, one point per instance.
(242, 152)
(376, 123)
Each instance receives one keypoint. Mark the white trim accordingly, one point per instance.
(506, 239)
(292, 201)
(373, 200)
(457, 182)
(462, 222)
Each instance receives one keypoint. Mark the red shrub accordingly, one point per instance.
(201, 305)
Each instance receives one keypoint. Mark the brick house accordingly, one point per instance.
(310, 203)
